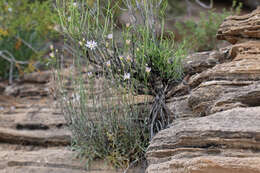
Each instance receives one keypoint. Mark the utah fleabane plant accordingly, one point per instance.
(107, 120)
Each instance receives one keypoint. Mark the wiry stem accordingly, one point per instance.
(160, 113)
(10, 58)
(204, 5)
(210, 6)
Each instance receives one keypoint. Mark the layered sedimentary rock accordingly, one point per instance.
(216, 126)
(222, 142)
(240, 28)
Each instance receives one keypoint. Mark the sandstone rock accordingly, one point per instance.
(51, 160)
(180, 107)
(37, 77)
(223, 142)
(27, 89)
(35, 137)
(33, 122)
(237, 29)
(236, 76)
(236, 70)
(224, 88)
(216, 96)
(33, 84)
(198, 62)
(8, 101)
(31, 159)
(243, 67)
(226, 80)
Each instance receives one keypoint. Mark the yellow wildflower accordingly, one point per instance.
(3, 32)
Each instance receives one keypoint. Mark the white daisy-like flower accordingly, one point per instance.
(91, 44)
(52, 55)
(110, 36)
(147, 69)
(128, 42)
(108, 63)
(51, 47)
(126, 76)
(75, 4)
(90, 74)
(10, 9)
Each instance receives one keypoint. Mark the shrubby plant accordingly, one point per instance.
(25, 28)
(106, 123)
(140, 62)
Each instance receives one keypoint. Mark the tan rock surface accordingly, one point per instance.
(222, 142)
(240, 28)
(36, 122)
(49, 160)
(216, 127)
(232, 82)
(38, 77)
(208, 164)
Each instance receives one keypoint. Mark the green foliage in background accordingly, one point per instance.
(201, 35)
(176, 8)
(25, 28)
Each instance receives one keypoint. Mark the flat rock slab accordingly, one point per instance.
(37, 137)
(34, 122)
(228, 140)
(41, 161)
(209, 164)
(49, 160)
(51, 157)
